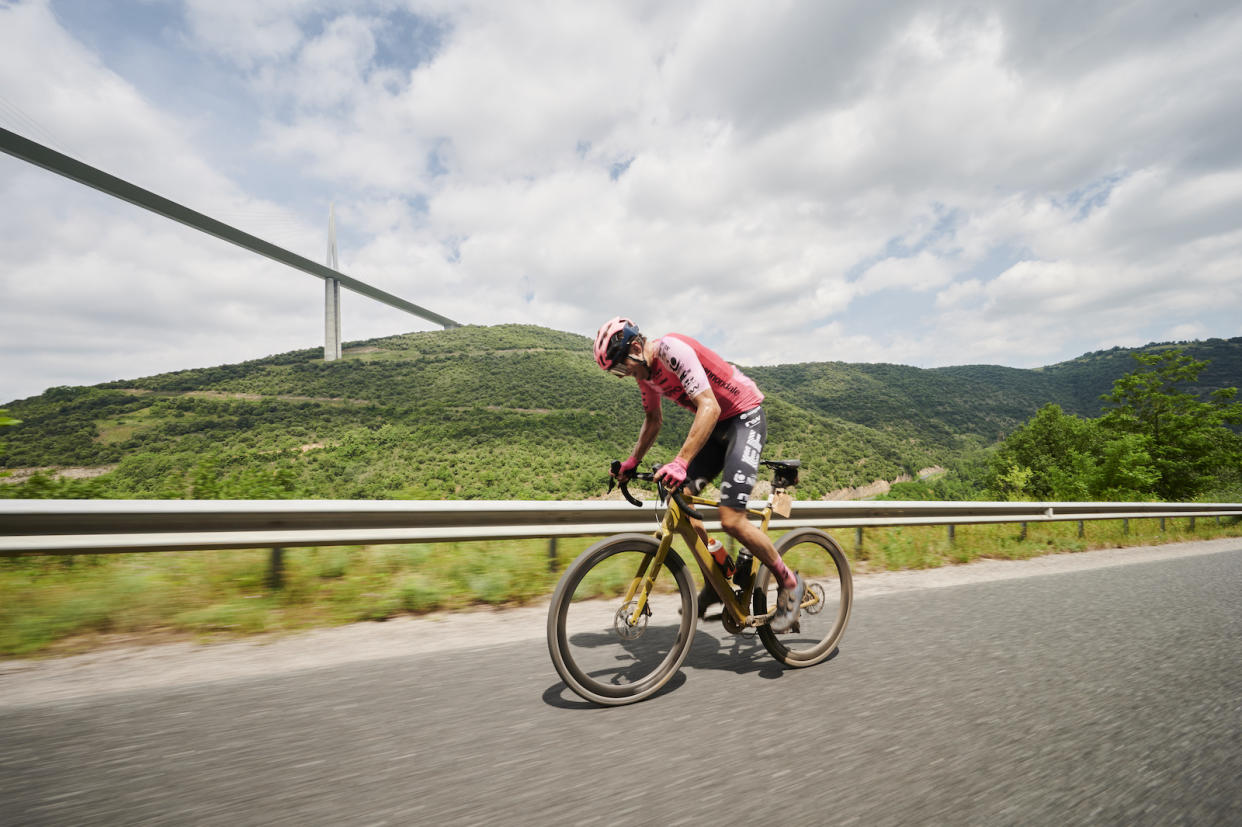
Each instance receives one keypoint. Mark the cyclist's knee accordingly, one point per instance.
(732, 520)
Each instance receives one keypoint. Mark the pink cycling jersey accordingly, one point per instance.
(683, 368)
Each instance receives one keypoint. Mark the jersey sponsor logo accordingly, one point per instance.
(669, 386)
(687, 382)
(683, 370)
(725, 385)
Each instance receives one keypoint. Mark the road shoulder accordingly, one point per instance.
(133, 668)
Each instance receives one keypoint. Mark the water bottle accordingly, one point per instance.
(721, 555)
(742, 576)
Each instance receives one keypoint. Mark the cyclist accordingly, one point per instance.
(727, 434)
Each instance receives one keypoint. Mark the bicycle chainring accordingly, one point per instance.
(728, 621)
(820, 598)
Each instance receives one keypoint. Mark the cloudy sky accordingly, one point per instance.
(927, 183)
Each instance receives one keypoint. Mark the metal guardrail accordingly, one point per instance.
(111, 526)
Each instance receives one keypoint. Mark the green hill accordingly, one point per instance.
(941, 406)
(511, 411)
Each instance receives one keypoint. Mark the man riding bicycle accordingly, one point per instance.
(727, 434)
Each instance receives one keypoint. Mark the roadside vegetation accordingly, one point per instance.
(1155, 441)
(60, 605)
(522, 413)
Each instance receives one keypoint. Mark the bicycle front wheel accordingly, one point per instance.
(826, 606)
(598, 648)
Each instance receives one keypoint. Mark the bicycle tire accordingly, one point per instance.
(824, 566)
(590, 642)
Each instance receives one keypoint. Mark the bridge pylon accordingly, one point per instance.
(332, 297)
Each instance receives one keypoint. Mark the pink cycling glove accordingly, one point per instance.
(627, 467)
(673, 474)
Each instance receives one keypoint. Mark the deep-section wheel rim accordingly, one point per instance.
(824, 566)
(596, 653)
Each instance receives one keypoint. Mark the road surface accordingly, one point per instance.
(1101, 688)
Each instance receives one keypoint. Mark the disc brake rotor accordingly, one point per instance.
(621, 622)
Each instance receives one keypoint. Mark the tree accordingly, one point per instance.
(1055, 456)
(1190, 447)
(1159, 442)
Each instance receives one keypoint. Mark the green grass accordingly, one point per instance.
(888, 549)
(69, 604)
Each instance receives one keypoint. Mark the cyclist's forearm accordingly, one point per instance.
(705, 418)
(647, 436)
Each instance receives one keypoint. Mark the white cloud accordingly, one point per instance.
(959, 292)
(929, 183)
(920, 273)
(249, 32)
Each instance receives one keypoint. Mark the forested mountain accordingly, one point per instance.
(942, 405)
(513, 411)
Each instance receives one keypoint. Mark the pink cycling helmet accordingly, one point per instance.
(612, 342)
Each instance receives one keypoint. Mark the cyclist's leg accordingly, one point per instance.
(704, 468)
(744, 442)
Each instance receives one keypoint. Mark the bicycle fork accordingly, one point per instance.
(642, 584)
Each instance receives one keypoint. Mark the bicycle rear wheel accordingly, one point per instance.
(597, 650)
(826, 606)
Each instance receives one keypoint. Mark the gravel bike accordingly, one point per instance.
(623, 616)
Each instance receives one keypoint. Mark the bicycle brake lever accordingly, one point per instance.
(665, 493)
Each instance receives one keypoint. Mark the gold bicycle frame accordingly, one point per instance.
(677, 523)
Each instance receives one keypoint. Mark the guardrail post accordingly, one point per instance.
(276, 570)
(952, 533)
(1125, 526)
(1162, 525)
(1192, 524)
(858, 547)
(1081, 529)
(1022, 536)
(552, 554)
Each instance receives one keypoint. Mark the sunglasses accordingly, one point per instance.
(619, 355)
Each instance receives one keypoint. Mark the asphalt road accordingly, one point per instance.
(1104, 696)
